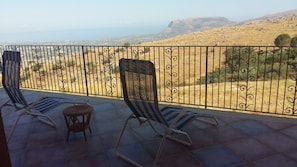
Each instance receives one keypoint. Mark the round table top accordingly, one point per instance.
(78, 109)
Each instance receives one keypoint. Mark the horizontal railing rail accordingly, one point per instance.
(247, 78)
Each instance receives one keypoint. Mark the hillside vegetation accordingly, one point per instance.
(261, 33)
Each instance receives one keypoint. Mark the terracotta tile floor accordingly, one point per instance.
(240, 140)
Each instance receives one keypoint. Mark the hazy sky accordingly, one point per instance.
(51, 15)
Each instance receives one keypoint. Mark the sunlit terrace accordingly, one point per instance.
(253, 98)
(239, 140)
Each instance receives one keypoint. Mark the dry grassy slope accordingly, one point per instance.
(258, 34)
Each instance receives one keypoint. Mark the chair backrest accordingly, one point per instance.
(11, 76)
(138, 78)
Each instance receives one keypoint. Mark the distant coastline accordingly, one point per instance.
(95, 34)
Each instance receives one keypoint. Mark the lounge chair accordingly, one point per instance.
(11, 82)
(139, 87)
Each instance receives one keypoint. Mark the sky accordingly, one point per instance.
(42, 20)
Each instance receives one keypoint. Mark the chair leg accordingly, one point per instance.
(187, 143)
(119, 141)
(214, 122)
(122, 131)
(14, 125)
(160, 149)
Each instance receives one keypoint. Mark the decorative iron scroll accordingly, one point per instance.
(292, 100)
(59, 54)
(38, 66)
(108, 65)
(170, 82)
(292, 64)
(244, 75)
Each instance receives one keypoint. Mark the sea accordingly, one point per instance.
(86, 34)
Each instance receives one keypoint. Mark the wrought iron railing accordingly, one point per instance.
(247, 78)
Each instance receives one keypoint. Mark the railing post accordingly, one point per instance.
(85, 70)
(206, 71)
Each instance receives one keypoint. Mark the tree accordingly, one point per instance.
(36, 67)
(282, 40)
(293, 41)
(126, 44)
(91, 67)
(238, 57)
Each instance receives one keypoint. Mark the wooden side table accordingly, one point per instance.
(77, 118)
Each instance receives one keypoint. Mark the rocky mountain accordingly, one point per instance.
(175, 28)
(255, 32)
(178, 27)
(190, 25)
(271, 17)
(196, 24)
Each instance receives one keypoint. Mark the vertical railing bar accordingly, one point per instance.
(238, 77)
(285, 86)
(85, 70)
(79, 56)
(114, 70)
(42, 77)
(271, 75)
(50, 66)
(194, 64)
(225, 78)
(212, 75)
(33, 59)
(154, 57)
(63, 57)
(67, 64)
(231, 81)
(263, 85)
(256, 77)
(225, 82)
(206, 76)
(171, 74)
(49, 60)
(65, 81)
(29, 81)
(92, 75)
(189, 71)
(200, 84)
(164, 76)
(46, 62)
(183, 71)
(77, 64)
(158, 52)
(247, 78)
(278, 84)
(104, 73)
(110, 71)
(178, 72)
(219, 77)
(100, 53)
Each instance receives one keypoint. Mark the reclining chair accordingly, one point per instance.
(11, 82)
(139, 87)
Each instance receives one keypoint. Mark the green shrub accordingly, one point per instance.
(293, 41)
(282, 40)
(36, 67)
(57, 67)
(71, 63)
(126, 44)
(146, 50)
